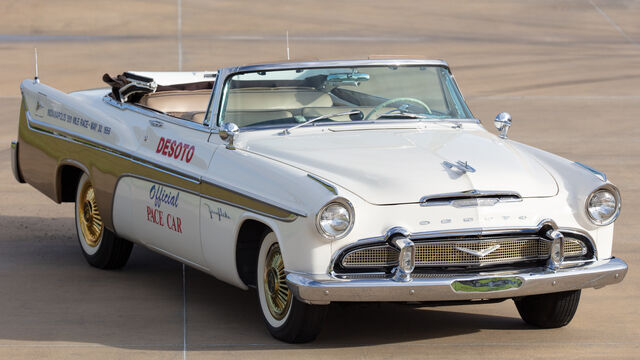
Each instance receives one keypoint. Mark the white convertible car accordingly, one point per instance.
(320, 182)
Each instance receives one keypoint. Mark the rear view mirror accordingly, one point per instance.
(353, 78)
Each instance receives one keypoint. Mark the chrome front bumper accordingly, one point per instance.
(14, 162)
(323, 290)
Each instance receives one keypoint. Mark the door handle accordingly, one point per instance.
(155, 123)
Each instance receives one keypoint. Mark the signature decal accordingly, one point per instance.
(218, 212)
(79, 122)
(173, 149)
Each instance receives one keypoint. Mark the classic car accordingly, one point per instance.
(319, 182)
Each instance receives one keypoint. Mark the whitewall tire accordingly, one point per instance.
(287, 318)
(99, 245)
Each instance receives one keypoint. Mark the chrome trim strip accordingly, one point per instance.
(456, 199)
(323, 289)
(156, 115)
(325, 184)
(337, 63)
(395, 231)
(225, 73)
(252, 196)
(14, 162)
(71, 136)
(597, 173)
(179, 188)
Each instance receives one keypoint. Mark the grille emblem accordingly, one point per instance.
(481, 253)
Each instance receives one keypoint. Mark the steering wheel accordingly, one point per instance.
(391, 101)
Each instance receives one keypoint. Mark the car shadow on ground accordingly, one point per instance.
(346, 325)
(50, 294)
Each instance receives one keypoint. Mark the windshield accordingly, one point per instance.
(288, 98)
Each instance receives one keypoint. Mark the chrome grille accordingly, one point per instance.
(574, 248)
(510, 250)
(372, 256)
(448, 253)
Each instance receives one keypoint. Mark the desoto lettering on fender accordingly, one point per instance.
(168, 221)
(175, 149)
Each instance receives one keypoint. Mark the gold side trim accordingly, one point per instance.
(154, 172)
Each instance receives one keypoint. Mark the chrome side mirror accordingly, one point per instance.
(228, 133)
(502, 123)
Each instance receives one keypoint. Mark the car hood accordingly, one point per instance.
(392, 166)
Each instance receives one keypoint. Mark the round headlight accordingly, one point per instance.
(335, 219)
(603, 205)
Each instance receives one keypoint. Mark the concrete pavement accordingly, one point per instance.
(567, 71)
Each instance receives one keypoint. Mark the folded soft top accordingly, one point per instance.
(129, 87)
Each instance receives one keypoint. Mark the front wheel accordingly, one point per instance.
(100, 246)
(549, 310)
(287, 318)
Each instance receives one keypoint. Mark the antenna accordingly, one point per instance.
(288, 57)
(36, 79)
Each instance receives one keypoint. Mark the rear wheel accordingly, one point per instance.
(287, 318)
(549, 310)
(100, 246)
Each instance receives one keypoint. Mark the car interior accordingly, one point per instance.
(256, 100)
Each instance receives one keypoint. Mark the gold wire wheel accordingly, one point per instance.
(276, 288)
(90, 219)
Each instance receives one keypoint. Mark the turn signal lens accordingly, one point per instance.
(557, 255)
(557, 249)
(407, 257)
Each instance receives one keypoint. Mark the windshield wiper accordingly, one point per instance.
(288, 131)
(404, 115)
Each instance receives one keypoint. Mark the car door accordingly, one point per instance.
(168, 207)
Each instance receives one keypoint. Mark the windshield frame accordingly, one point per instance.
(214, 113)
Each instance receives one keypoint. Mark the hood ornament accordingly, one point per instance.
(481, 253)
(463, 167)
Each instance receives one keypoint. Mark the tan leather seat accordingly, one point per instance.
(245, 107)
(178, 101)
(246, 118)
(251, 99)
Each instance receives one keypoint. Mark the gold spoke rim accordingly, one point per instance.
(91, 223)
(276, 289)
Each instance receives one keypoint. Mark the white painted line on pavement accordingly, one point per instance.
(613, 23)
(184, 314)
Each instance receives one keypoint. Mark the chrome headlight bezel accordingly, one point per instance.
(346, 205)
(616, 195)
